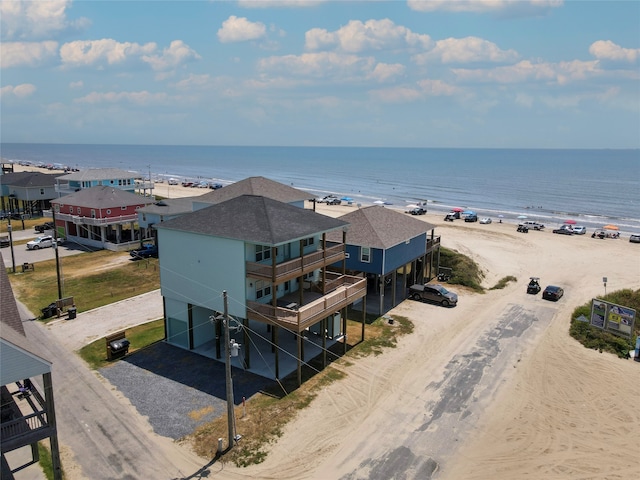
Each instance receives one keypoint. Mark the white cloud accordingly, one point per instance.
(466, 50)
(437, 88)
(384, 71)
(484, 6)
(136, 98)
(526, 71)
(14, 54)
(193, 81)
(79, 84)
(357, 36)
(278, 3)
(98, 52)
(177, 53)
(607, 50)
(30, 19)
(239, 29)
(21, 91)
(322, 64)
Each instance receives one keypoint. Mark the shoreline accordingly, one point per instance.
(592, 223)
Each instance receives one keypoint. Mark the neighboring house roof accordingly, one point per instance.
(18, 355)
(170, 206)
(29, 179)
(256, 186)
(254, 219)
(92, 174)
(380, 227)
(102, 196)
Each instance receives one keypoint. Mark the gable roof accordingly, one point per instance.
(103, 197)
(20, 358)
(29, 179)
(380, 227)
(99, 174)
(256, 186)
(254, 219)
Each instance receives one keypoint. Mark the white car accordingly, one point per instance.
(44, 241)
(485, 220)
(579, 230)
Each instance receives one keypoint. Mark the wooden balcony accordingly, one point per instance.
(432, 243)
(346, 289)
(19, 428)
(296, 267)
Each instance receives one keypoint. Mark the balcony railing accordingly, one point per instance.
(349, 289)
(82, 220)
(296, 267)
(432, 243)
(23, 430)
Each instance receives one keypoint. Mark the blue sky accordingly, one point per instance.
(417, 73)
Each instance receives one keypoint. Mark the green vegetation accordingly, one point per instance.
(140, 336)
(93, 279)
(464, 271)
(598, 339)
(268, 412)
(503, 282)
(45, 461)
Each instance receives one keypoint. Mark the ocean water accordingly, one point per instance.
(593, 187)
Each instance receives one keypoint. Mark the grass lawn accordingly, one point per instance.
(93, 279)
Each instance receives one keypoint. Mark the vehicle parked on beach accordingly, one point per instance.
(564, 230)
(417, 211)
(43, 241)
(471, 218)
(485, 221)
(173, 181)
(634, 238)
(533, 225)
(433, 293)
(552, 293)
(579, 230)
(534, 286)
(450, 217)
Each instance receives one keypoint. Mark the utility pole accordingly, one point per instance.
(227, 341)
(55, 247)
(13, 258)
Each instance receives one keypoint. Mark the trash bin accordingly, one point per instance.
(119, 347)
(72, 311)
(49, 311)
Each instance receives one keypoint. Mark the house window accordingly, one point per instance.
(93, 213)
(42, 191)
(263, 252)
(263, 289)
(123, 208)
(108, 211)
(365, 254)
(78, 210)
(70, 209)
(287, 285)
(144, 217)
(308, 241)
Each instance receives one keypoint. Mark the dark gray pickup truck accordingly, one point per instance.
(433, 293)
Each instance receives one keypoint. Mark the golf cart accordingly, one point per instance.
(534, 286)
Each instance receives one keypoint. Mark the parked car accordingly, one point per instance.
(43, 241)
(334, 201)
(553, 293)
(450, 217)
(485, 220)
(147, 251)
(4, 242)
(533, 225)
(634, 238)
(433, 293)
(579, 230)
(564, 230)
(44, 226)
(417, 211)
(471, 218)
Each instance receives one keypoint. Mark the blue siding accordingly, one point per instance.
(386, 262)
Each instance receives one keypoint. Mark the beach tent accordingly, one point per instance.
(570, 222)
(468, 212)
(610, 227)
(457, 209)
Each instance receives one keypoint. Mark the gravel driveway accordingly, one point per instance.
(176, 389)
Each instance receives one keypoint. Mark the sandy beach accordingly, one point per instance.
(558, 410)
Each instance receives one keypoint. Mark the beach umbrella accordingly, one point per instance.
(500, 216)
(347, 199)
(610, 227)
(457, 209)
(522, 217)
(379, 202)
(411, 206)
(468, 212)
(570, 222)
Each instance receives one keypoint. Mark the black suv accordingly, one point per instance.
(471, 218)
(45, 226)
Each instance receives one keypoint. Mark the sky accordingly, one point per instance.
(412, 73)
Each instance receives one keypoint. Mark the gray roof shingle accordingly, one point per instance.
(29, 179)
(103, 197)
(380, 227)
(256, 186)
(254, 219)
